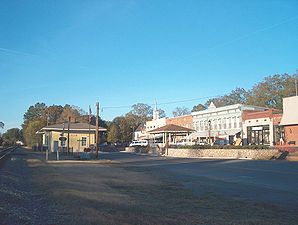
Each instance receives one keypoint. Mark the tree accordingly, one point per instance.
(271, 91)
(12, 135)
(70, 111)
(1, 140)
(36, 112)
(142, 111)
(162, 113)
(236, 96)
(113, 134)
(180, 111)
(54, 113)
(30, 136)
(124, 128)
(198, 107)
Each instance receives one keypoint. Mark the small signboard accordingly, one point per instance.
(62, 138)
(257, 128)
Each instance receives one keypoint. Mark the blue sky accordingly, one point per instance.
(121, 52)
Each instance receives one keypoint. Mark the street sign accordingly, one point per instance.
(62, 138)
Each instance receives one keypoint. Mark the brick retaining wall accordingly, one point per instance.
(223, 153)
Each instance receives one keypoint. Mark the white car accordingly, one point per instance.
(184, 142)
(142, 143)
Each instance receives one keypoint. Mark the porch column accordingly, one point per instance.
(271, 133)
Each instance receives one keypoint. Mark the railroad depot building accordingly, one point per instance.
(81, 136)
(222, 122)
(262, 128)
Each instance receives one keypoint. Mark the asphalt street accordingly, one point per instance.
(274, 182)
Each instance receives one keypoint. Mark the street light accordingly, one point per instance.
(209, 129)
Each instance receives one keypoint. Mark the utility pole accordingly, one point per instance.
(48, 137)
(89, 120)
(68, 128)
(97, 125)
(296, 78)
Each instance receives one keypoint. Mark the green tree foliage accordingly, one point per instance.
(1, 140)
(142, 111)
(180, 111)
(198, 107)
(113, 133)
(73, 113)
(236, 96)
(270, 92)
(120, 129)
(29, 132)
(267, 93)
(38, 115)
(36, 112)
(12, 135)
(54, 113)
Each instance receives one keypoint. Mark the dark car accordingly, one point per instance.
(220, 142)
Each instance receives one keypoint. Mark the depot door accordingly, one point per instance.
(56, 146)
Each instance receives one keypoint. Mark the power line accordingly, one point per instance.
(163, 103)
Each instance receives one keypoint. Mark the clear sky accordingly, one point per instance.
(121, 52)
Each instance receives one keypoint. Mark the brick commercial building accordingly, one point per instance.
(290, 121)
(262, 128)
(183, 121)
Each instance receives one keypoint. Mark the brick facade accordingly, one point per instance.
(183, 121)
(291, 135)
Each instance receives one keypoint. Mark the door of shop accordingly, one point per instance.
(259, 135)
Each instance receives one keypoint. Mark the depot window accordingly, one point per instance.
(84, 141)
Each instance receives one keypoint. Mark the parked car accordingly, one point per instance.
(202, 143)
(220, 142)
(184, 142)
(142, 143)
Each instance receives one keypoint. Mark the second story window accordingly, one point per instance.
(224, 123)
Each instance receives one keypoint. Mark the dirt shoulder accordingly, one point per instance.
(21, 201)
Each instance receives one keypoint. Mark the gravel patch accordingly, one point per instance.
(20, 201)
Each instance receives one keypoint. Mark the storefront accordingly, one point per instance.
(258, 135)
(262, 128)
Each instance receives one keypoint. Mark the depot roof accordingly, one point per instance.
(72, 126)
(171, 128)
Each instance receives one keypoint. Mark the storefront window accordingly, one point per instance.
(259, 135)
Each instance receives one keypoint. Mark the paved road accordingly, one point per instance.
(272, 182)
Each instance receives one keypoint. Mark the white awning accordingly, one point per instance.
(214, 133)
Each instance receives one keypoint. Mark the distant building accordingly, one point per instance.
(262, 128)
(156, 122)
(290, 120)
(183, 121)
(80, 136)
(140, 132)
(222, 122)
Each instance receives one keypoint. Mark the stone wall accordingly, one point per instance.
(223, 153)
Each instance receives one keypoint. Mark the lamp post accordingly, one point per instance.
(209, 129)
